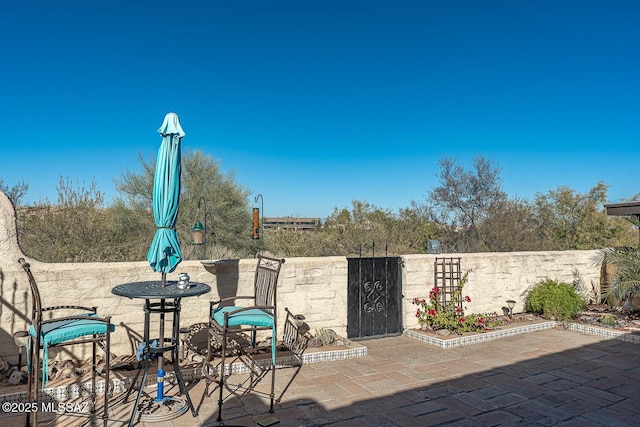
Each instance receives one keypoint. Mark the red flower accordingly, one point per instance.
(431, 312)
(467, 298)
(418, 313)
(461, 320)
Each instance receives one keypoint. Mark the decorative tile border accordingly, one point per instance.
(286, 361)
(496, 335)
(602, 332)
(330, 356)
(474, 339)
(73, 391)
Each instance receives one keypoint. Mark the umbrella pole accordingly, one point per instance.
(160, 396)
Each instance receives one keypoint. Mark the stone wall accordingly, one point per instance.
(496, 277)
(315, 287)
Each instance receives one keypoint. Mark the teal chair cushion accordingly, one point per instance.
(65, 330)
(250, 317)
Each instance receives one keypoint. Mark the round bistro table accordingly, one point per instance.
(153, 290)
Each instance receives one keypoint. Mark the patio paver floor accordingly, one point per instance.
(551, 377)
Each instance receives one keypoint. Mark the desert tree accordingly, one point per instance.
(572, 220)
(79, 228)
(464, 199)
(227, 202)
(16, 192)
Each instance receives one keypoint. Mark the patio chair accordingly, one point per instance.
(64, 330)
(292, 347)
(235, 329)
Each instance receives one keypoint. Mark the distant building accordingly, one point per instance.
(290, 223)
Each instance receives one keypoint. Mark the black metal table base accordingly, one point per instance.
(171, 407)
(168, 407)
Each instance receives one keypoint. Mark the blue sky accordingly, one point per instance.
(315, 103)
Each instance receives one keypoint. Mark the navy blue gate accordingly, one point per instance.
(374, 296)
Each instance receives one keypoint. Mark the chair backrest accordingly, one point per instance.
(36, 307)
(266, 280)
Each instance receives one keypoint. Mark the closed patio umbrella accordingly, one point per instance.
(164, 253)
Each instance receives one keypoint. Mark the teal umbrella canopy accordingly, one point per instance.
(164, 253)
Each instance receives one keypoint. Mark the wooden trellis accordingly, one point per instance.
(447, 277)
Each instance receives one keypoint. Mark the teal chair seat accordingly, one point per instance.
(255, 317)
(65, 330)
(249, 317)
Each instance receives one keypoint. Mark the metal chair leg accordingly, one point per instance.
(94, 369)
(222, 369)
(107, 383)
(273, 384)
(30, 377)
(35, 366)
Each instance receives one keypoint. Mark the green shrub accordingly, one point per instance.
(554, 300)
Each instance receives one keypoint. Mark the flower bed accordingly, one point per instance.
(446, 312)
(520, 324)
(627, 329)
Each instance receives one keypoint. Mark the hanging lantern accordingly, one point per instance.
(255, 229)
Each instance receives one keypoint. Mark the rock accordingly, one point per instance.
(101, 367)
(315, 342)
(443, 332)
(124, 362)
(4, 365)
(198, 358)
(341, 341)
(17, 377)
(65, 369)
